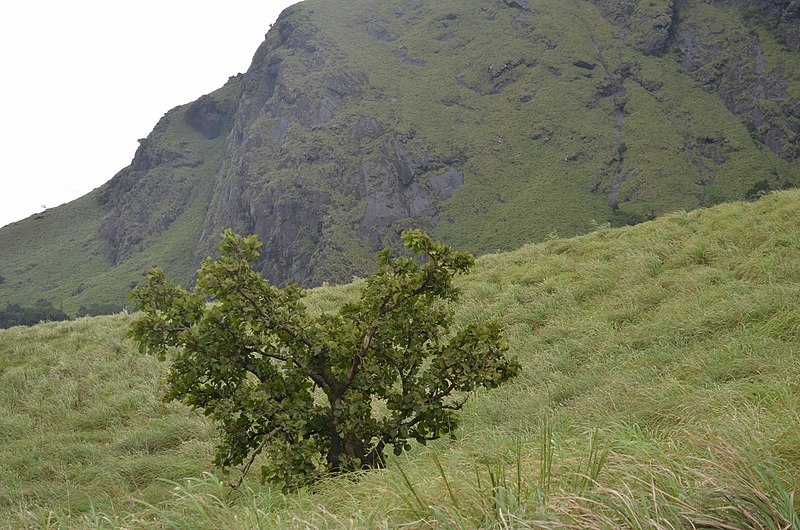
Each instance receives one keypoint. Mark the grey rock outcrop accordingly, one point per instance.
(289, 178)
(649, 25)
(733, 67)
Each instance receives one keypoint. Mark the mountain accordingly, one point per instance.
(491, 124)
(659, 360)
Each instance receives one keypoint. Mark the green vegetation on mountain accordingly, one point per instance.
(659, 389)
(42, 311)
(87, 254)
(490, 124)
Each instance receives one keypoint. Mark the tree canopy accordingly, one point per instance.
(329, 392)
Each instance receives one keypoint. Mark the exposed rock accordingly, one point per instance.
(380, 30)
(706, 154)
(498, 71)
(782, 15)
(648, 26)
(290, 193)
(747, 88)
(543, 134)
(584, 65)
(448, 19)
(367, 128)
(789, 25)
(151, 154)
(289, 167)
(741, 78)
(405, 166)
(402, 54)
(518, 4)
(656, 39)
(277, 131)
(314, 112)
(445, 184)
(208, 117)
(388, 204)
(291, 227)
(403, 187)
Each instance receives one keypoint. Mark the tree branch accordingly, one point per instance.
(377, 452)
(253, 456)
(382, 311)
(446, 392)
(320, 380)
(351, 374)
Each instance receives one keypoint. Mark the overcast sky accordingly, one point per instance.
(83, 80)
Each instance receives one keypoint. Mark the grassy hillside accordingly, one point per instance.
(551, 145)
(660, 389)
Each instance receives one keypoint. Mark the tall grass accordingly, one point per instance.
(660, 390)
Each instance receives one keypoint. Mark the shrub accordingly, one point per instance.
(17, 315)
(320, 394)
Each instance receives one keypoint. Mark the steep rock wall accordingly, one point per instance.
(322, 194)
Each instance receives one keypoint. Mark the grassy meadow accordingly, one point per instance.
(660, 389)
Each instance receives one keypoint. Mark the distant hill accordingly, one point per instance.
(659, 387)
(491, 124)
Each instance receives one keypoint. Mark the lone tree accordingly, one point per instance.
(322, 393)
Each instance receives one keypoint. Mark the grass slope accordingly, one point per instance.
(660, 390)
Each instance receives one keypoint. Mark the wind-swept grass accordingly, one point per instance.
(661, 389)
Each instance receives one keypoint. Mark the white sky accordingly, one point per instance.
(81, 81)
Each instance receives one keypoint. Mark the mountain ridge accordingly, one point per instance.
(490, 125)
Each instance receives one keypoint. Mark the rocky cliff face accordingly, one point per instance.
(729, 59)
(167, 174)
(325, 182)
(490, 123)
(736, 66)
(316, 162)
(782, 17)
(309, 185)
(647, 25)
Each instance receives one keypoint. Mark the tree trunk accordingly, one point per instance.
(335, 451)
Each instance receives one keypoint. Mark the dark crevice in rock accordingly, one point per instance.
(518, 4)
(585, 65)
(209, 117)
